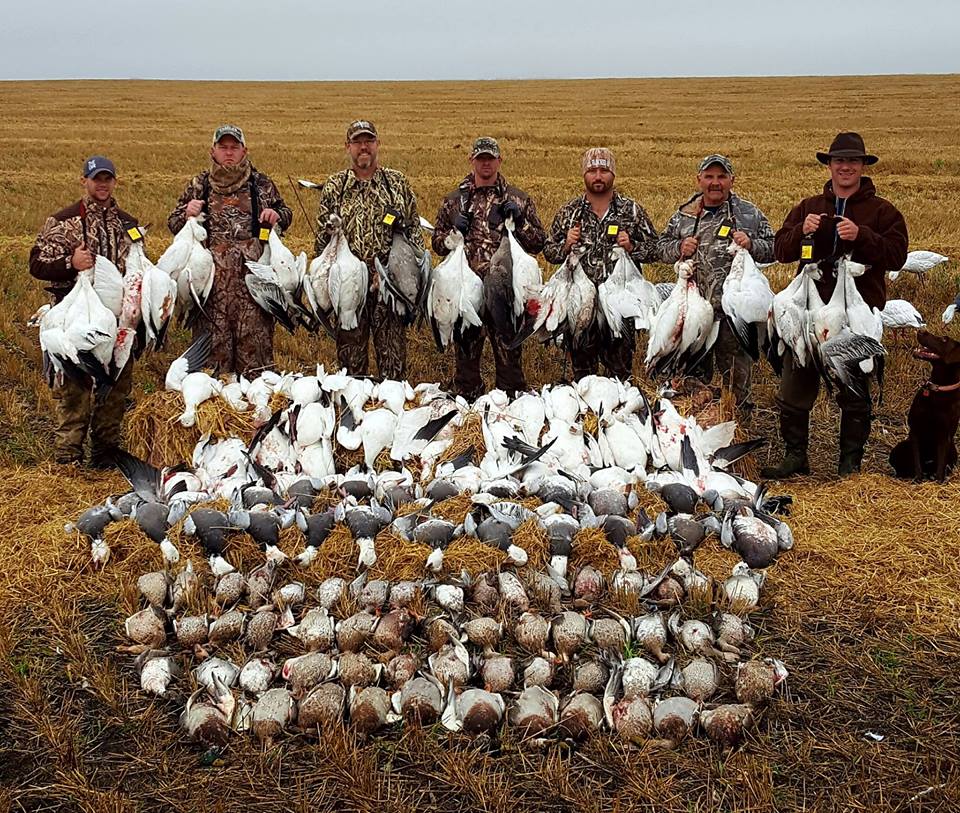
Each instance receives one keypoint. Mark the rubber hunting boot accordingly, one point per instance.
(795, 430)
(854, 432)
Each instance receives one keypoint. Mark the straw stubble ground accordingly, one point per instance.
(864, 611)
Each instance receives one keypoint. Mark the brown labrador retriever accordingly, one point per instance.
(930, 449)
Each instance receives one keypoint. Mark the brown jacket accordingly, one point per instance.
(101, 228)
(881, 243)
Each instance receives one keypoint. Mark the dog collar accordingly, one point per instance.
(931, 387)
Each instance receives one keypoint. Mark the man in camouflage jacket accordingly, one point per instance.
(237, 201)
(598, 220)
(68, 243)
(478, 209)
(372, 201)
(703, 228)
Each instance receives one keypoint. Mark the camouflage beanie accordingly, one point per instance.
(598, 157)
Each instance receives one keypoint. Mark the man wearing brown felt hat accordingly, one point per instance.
(847, 218)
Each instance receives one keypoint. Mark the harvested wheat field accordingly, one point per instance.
(865, 611)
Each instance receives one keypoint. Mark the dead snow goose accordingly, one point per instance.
(746, 300)
(158, 296)
(347, 276)
(456, 294)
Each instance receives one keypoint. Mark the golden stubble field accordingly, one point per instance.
(864, 611)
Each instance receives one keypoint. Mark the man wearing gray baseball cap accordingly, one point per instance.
(68, 244)
(703, 228)
(478, 208)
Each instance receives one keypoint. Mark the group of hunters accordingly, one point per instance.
(847, 217)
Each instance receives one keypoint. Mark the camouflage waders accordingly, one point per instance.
(75, 412)
(509, 363)
(616, 355)
(389, 341)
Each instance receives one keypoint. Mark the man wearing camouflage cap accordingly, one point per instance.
(703, 228)
(478, 208)
(69, 243)
(240, 205)
(373, 202)
(598, 220)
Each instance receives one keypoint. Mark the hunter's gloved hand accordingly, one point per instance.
(511, 209)
(461, 222)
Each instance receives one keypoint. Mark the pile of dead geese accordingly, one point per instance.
(548, 650)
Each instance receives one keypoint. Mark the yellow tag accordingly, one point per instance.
(613, 230)
(264, 234)
(389, 218)
(135, 233)
(723, 231)
(806, 252)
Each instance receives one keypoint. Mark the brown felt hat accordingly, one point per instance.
(847, 145)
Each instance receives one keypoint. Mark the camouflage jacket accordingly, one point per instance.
(712, 259)
(599, 234)
(228, 217)
(483, 237)
(101, 228)
(363, 207)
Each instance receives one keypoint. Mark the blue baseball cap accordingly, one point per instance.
(97, 163)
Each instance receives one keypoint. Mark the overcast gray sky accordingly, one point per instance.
(447, 39)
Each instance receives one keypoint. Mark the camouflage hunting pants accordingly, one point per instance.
(598, 347)
(731, 361)
(242, 331)
(389, 341)
(509, 363)
(76, 412)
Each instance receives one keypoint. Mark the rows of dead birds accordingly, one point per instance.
(107, 317)
(472, 654)
(528, 644)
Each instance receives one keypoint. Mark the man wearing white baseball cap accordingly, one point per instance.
(598, 220)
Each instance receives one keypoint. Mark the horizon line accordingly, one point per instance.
(489, 80)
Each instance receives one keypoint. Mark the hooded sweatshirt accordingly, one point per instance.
(881, 243)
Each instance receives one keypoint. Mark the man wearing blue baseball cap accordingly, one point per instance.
(68, 244)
